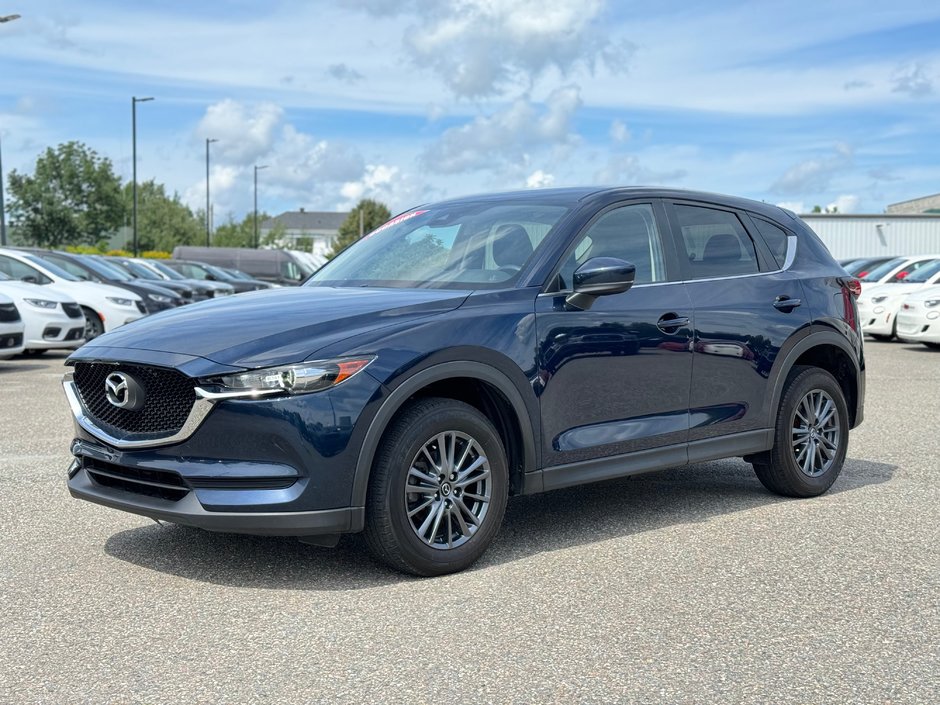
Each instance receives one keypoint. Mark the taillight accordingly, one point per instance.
(851, 288)
(854, 286)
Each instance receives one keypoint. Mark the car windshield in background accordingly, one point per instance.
(881, 271)
(924, 273)
(464, 245)
(105, 270)
(54, 269)
(139, 271)
(169, 271)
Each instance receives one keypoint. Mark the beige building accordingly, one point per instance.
(916, 206)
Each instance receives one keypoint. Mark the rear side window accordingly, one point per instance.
(776, 239)
(715, 242)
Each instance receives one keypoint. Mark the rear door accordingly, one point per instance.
(747, 305)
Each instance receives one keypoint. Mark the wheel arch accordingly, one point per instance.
(451, 379)
(831, 352)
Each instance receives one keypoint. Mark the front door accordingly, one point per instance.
(615, 378)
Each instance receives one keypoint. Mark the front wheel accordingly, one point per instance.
(811, 436)
(933, 346)
(93, 324)
(438, 490)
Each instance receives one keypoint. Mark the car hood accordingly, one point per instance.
(25, 290)
(275, 326)
(925, 294)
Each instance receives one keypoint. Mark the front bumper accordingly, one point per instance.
(276, 466)
(190, 512)
(918, 328)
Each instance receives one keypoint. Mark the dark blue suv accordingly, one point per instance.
(475, 349)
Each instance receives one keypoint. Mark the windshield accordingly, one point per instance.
(218, 272)
(883, 270)
(169, 271)
(105, 270)
(463, 245)
(138, 270)
(925, 272)
(53, 269)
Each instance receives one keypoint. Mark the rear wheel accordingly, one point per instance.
(34, 353)
(811, 436)
(933, 346)
(93, 323)
(438, 490)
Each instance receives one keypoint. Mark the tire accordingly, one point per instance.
(34, 353)
(882, 338)
(792, 467)
(93, 325)
(409, 456)
(933, 346)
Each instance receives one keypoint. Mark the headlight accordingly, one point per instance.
(41, 303)
(931, 303)
(878, 299)
(302, 378)
(119, 301)
(160, 298)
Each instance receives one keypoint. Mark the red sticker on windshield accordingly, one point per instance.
(396, 220)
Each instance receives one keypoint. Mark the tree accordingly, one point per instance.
(373, 215)
(235, 234)
(73, 197)
(163, 221)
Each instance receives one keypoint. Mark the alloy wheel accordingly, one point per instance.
(448, 490)
(815, 433)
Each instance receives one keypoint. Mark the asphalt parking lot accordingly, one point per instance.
(689, 586)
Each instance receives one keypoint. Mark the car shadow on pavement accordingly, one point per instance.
(533, 524)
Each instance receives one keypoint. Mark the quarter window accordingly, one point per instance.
(628, 233)
(716, 243)
(776, 239)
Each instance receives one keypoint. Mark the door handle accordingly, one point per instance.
(785, 303)
(671, 322)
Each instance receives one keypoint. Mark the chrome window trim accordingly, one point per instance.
(197, 415)
(792, 241)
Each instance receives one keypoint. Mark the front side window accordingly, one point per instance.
(628, 233)
(18, 270)
(715, 242)
(925, 273)
(467, 244)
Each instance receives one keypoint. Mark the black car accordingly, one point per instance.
(474, 349)
(201, 270)
(155, 298)
(190, 292)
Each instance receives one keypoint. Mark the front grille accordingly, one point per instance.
(152, 483)
(168, 398)
(72, 310)
(14, 340)
(8, 313)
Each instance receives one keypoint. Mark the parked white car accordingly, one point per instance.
(51, 320)
(105, 307)
(11, 328)
(895, 270)
(878, 306)
(919, 318)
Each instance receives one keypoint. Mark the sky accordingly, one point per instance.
(833, 103)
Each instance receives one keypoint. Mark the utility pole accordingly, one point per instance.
(361, 224)
(134, 102)
(257, 236)
(208, 206)
(3, 215)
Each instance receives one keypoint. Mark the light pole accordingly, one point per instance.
(134, 101)
(3, 215)
(257, 237)
(208, 207)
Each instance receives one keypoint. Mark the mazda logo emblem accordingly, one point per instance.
(123, 391)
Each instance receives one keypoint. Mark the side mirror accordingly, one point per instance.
(600, 276)
(29, 279)
(211, 277)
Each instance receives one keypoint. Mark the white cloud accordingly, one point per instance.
(913, 80)
(627, 170)
(478, 47)
(343, 72)
(846, 203)
(490, 141)
(813, 175)
(244, 133)
(384, 183)
(619, 132)
(797, 207)
(539, 179)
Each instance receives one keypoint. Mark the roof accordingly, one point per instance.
(305, 220)
(915, 200)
